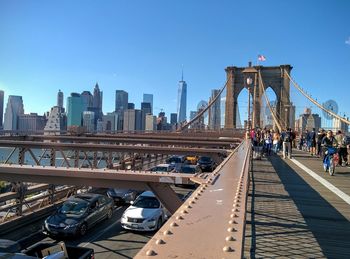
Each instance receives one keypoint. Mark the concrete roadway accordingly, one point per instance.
(108, 238)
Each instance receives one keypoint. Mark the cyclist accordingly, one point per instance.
(327, 142)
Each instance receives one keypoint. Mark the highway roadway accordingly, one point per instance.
(108, 238)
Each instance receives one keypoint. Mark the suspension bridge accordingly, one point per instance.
(245, 208)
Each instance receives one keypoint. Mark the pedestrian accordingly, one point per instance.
(276, 140)
(313, 142)
(320, 135)
(343, 151)
(287, 143)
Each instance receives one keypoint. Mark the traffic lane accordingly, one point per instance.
(32, 233)
(107, 238)
(116, 242)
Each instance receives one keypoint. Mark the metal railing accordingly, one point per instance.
(211, 222)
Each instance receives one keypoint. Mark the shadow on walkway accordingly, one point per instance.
(288, 218)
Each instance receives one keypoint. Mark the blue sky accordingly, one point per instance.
(140, 47)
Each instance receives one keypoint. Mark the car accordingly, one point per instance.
(78, 214)
(9, 246)
(122, 196)
(189, 169)
(191, 159)
(162, 168)
(145, 214)
(175, 159)
(206, 163)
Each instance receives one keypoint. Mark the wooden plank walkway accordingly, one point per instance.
(291, 215)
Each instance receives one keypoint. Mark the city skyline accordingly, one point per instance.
(47, 47)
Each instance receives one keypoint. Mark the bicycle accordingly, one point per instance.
(330, 160)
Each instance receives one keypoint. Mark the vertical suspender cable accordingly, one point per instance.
(315, 102)
(269, 105)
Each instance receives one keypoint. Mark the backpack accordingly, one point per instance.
(287, 137)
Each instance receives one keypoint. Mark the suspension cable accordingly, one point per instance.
(269, 105)
(315, 102)
(204, 110)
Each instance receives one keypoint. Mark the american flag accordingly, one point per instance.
(261, 58)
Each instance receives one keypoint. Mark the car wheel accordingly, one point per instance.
(159, 223)
(83, 229)
(109, 213)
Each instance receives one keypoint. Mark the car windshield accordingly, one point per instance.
(74, 207)
(160, 169)
(147, 202)
(174, 160)
(188, 170)
(205, 159)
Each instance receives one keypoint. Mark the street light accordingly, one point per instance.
(250, 80)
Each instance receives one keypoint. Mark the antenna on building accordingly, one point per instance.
(182, 73)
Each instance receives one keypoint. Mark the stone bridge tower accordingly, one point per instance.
(248, 77)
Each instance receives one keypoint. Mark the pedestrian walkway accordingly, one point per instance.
(291, 214)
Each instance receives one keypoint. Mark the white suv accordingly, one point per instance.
(145, 214)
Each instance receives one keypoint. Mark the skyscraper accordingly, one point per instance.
(98, 95)
(97, 102)
(145, 109)
(31, 122)
(60, 99)
(151, 122)
(1, 108)
(87, 100)
(182, 101)
(215, 111)
(148, 98)
(56, 122)
(173, 118)
(131, 106)
(121, 100)
(129, 120)
(75, 108)
(14, 108)
(121, 105)
(89, 121)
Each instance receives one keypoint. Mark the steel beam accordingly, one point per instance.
(89, 177)
(166, 195)
(210, 223)
(114, 148)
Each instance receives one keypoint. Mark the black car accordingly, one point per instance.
(175, 160)
(77, 214)
(188, 169)
(122, 196)
(206, 163)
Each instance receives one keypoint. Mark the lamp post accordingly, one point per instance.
(250, 73)
(249, 82)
